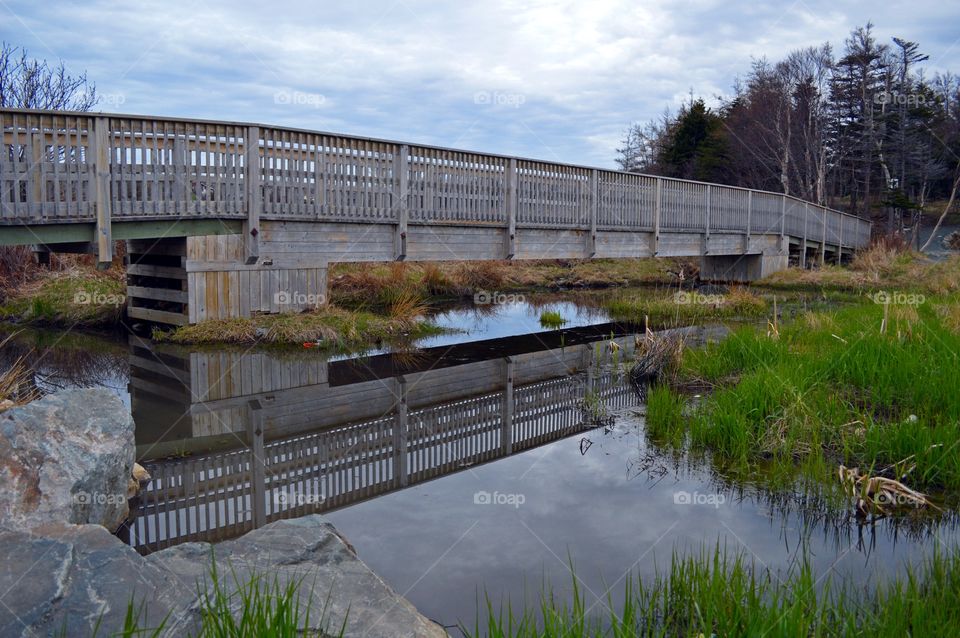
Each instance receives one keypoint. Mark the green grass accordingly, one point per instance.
(551, 319)
(685, 306)
(832, 389)
(719, 594)
(75, 297)
(328, 328)
(256, 607)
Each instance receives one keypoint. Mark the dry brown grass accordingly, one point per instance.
(482, 275)
(16, 382)
(378, 285)
(884, 265)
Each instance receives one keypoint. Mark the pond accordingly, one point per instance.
(481, 464)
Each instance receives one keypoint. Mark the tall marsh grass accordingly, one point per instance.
(862, 386)
(717, 593)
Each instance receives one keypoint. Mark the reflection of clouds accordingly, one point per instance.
(590, 508)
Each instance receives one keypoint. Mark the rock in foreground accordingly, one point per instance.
(66, 581)
(66, 458)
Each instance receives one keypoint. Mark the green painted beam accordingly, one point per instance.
(175, 228)
(45, 234)
(50, 234)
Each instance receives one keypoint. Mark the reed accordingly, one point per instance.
(718, 593)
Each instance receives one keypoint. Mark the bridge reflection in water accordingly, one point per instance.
(289, 437)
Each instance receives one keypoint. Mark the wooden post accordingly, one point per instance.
(783, 224)
(506, 415)
(102, 201)
(181, 200)
(401, 174)
(594, 211)
(706, 222)
(746, 247)
(254, 195)
(657, 204)
(35, 165)
(258, 474)
(401, 425)
(512, 178)
(840, 242)
(823, 240)
(803, 251)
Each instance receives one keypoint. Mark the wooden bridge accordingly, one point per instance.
(226, 219)
(308, 436)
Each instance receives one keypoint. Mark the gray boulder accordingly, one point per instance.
(334, 583)
(69, 580)
(67, 457)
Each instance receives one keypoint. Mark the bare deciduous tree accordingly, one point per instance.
(36, 84)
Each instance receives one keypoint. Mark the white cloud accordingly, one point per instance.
(570, 75)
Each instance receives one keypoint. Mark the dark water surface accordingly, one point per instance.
(481, 463)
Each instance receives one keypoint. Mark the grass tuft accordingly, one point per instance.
(551, 319)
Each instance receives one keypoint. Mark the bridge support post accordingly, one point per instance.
(594, 211)
(506, 414)
(258, 469)
(740, 268)
(746, 238)
(706, 225)
(511, 203)
(840, 243)
(102, 199)
(823, 240)
(254, 195)
(784, 246)
(657, 205)
(401, 426)
(401, 174)
(803, 244)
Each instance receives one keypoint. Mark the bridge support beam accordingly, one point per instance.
(740, 268)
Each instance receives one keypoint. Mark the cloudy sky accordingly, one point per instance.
(548, 79)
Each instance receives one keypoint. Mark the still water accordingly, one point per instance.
(482, 463)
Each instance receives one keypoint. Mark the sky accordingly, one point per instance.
(546, 79)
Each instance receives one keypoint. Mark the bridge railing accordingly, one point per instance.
(80, 167)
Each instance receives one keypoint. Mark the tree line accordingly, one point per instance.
(864, 131)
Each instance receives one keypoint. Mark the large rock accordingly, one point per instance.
(66, 458)
(70, 579)
(334, 583)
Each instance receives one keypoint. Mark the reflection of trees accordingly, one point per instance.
(54, 361)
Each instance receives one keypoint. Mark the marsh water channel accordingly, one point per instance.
(481, 463)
